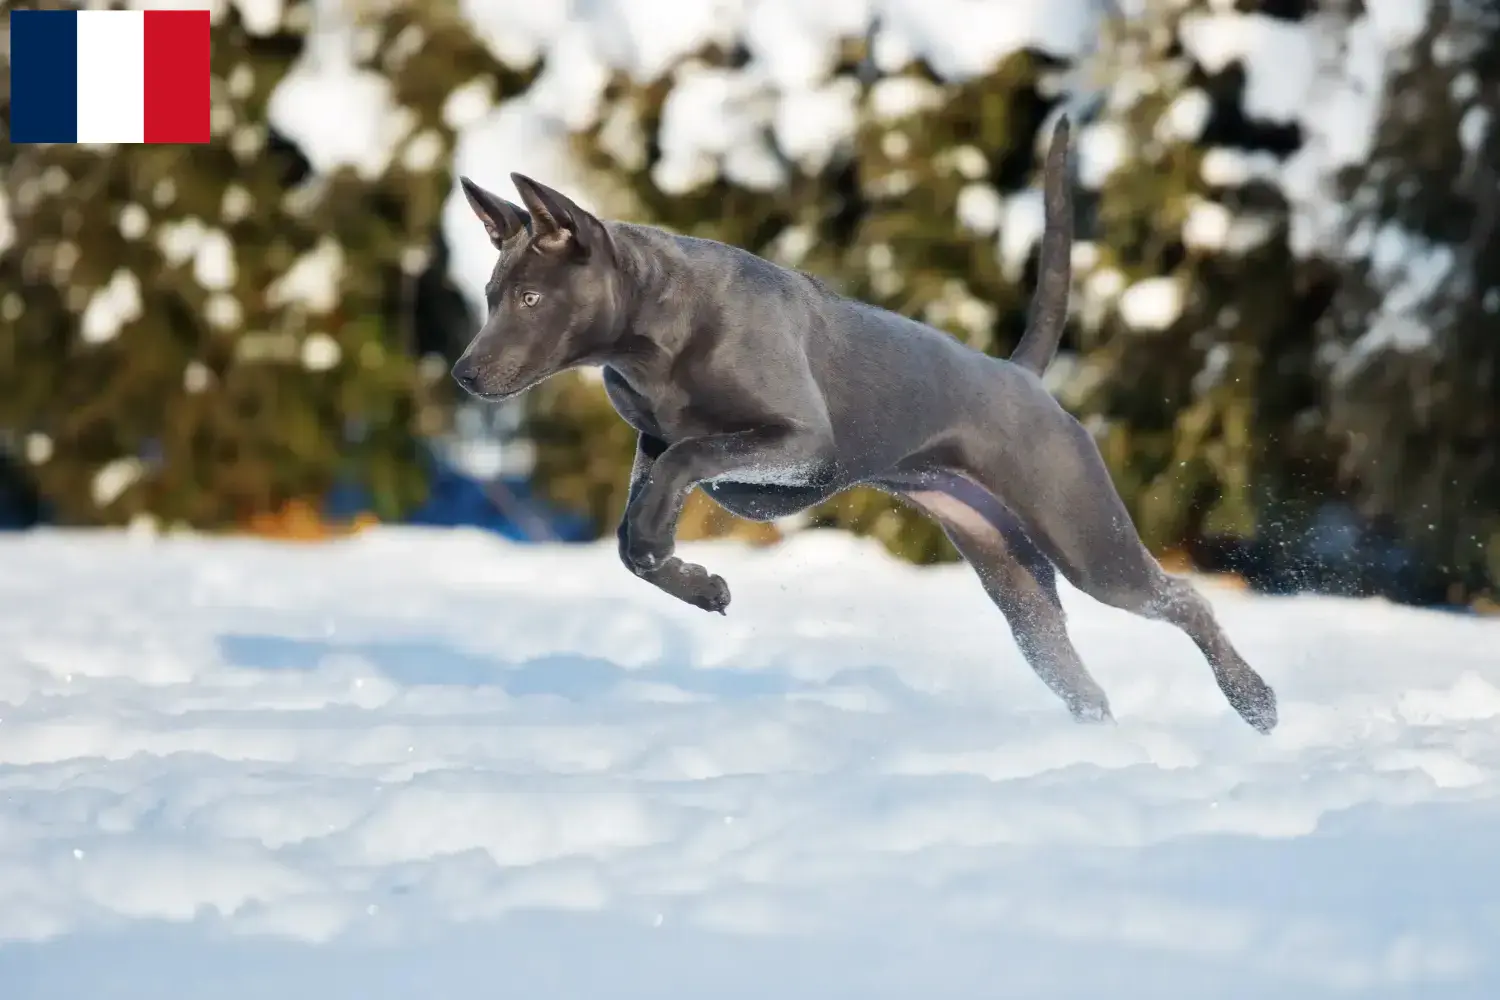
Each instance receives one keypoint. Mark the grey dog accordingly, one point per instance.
(772, 393)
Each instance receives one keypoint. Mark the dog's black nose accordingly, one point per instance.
(466, 376)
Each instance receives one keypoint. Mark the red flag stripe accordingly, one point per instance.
(177, 74)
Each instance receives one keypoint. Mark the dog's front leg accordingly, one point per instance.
(647, 450)
(649, 526)
(686, 582)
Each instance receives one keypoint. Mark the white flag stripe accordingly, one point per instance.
(111, 76)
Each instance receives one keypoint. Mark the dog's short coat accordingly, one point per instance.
(772, 393)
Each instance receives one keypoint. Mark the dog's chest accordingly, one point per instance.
(654, 417)
(671, 424)
(634, 408)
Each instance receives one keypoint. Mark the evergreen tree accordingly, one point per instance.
(1414, 373)
(1194, 364)
(203, 334)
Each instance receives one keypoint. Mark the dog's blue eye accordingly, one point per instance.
(530, 298)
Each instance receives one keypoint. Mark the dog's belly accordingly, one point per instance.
(763, 501)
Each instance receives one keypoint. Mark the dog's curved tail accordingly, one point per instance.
(1049, 303)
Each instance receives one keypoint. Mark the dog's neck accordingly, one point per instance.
(650, 266)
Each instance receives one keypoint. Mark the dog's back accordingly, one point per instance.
(887, 380)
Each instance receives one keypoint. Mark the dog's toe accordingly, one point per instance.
(704, 589)
(717, 594)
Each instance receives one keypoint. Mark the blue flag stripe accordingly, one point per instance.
(43, 76)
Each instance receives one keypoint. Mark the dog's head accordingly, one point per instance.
(553, 297)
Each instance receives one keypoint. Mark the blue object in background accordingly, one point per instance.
(506, 506)
(20, 507)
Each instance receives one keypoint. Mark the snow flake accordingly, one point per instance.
(313, 279)
(260, 17)
(320, 352)
(1152, 304)
(110, 308)
(196, 377)
(237, 203)
(38, 448)
(1185, 118)
(897, 97)
(1024, 223)
(114, 478)
(178, 240)
(134, 222)
(213, 261)
(423, 152)
(468, 103)
(980, 208)
(223, 311)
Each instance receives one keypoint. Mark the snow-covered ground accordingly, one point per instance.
(436, 764)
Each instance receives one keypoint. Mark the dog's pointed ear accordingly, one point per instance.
(502, 220)
(560, 223)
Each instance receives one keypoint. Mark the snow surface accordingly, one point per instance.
(438, 764)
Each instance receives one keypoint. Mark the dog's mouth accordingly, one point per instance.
(485, 396)
(501, 386)
(514, 388)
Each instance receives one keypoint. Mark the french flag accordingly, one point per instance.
(109, 76)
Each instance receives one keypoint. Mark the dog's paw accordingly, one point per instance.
(700, 588)
(1253, 699)
(1092, 713)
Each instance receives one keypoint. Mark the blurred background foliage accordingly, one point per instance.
(213, 336)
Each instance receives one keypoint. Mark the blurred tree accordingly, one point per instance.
(1194, 364)
(1413, 379)
(203, 334)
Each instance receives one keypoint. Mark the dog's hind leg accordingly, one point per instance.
(1021, 582)
(1055, 481)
